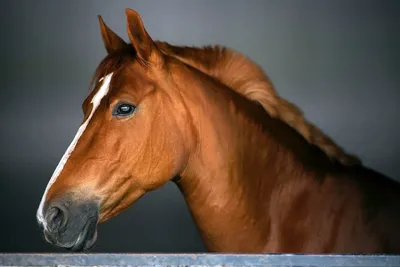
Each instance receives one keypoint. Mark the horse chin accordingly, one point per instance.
(87, 237)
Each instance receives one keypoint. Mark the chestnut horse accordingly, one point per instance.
(256, 175)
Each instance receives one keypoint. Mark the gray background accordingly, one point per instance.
(337, 60)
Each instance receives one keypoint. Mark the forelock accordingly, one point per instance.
(112, 63)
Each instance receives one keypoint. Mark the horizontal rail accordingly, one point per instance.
(199, 260)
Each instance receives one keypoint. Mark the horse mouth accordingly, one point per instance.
(87, 237)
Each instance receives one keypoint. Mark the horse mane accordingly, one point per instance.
(247, 78)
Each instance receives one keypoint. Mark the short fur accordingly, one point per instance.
(256, 178)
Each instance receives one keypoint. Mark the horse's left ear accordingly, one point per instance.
(112, 41)
(140, 39)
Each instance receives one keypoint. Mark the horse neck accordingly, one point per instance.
(244, 76)
(242, 154)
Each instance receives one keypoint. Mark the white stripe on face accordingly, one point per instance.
(103, 91)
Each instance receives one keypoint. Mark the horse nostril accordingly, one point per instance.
(55, 218)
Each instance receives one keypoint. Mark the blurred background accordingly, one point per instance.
(337, 60)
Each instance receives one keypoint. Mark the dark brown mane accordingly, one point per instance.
(247, 78)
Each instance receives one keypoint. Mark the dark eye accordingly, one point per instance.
(123, 110)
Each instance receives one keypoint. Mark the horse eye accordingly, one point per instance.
(124, 110)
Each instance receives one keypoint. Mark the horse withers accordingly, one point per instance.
(256, 175)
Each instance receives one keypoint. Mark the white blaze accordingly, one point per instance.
(103, 91)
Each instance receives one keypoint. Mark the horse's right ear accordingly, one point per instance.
(145, 47)
(112, 41)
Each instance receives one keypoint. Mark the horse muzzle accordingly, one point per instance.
(70, 225)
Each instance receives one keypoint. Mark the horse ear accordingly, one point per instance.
(140, 39)
(112, 41)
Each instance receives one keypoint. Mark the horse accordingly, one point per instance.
(256, 175)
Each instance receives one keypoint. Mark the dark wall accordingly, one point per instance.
(337, 60)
